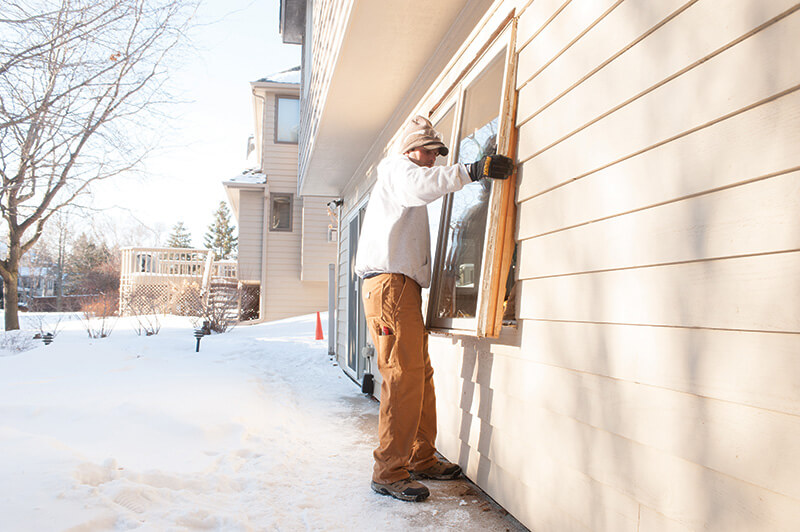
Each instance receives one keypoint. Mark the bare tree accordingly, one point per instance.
(76, 78)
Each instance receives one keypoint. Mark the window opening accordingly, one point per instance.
(464, 223)
(287, 119)
(280, 212)
(445, 127)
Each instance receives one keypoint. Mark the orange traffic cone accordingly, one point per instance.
(319, 328)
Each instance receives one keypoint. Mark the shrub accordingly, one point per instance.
(100, 315)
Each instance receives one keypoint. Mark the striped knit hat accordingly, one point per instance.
(419, 133)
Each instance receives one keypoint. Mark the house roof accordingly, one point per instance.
(249, 179)
(285, 76)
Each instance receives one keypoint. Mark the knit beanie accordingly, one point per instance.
(419, 133)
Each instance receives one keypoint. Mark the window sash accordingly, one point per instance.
(498, 236)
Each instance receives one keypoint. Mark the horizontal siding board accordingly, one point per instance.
(750, 444)
(697, 497)
(251, 209)
(748, 219)
(748, 368)
(535, 18)
(652, 521)
(752, 144)
(575, 502)
(680, 489)
(568, 24)
(713, 25)
(629, 23)
(738, 293)
(711, 91)
(524, 502)
(317, 252)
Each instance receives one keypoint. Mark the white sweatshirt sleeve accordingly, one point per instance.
(414, 186)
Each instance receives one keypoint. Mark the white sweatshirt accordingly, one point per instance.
(395, 237)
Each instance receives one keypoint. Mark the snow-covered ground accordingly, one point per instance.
(257, 431)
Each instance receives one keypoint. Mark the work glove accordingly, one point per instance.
(494, 166)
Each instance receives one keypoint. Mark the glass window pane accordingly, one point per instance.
(445, 127)
(288, 122)
(281, 213)
(459, 281)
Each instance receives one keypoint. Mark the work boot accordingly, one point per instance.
(405, 490)
(441, 470)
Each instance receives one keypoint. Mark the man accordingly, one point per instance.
(394, 261)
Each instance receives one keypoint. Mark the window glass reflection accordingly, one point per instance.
(465, 230)
(281, 212)
(288, 122)
(445, 127)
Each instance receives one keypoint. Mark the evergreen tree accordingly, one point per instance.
(179, 237)
(220, 237)
(91, 268)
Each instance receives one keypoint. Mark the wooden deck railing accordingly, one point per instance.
(156, 269)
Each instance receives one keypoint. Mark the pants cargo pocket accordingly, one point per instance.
(385, 346)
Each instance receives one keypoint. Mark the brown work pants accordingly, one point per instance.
(407, 422)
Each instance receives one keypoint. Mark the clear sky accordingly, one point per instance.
(236, 42)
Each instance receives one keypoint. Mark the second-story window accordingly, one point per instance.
(287, 119)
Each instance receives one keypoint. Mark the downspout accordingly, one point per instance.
(262, 292)
(333, 293)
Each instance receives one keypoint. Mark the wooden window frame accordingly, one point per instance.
(501, 216)
(278, 98)
(272, 197)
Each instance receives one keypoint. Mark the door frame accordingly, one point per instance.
(357, 338)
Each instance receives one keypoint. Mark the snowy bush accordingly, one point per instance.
(99, 315)
(44, 324)
(148, 308)
(220, 309)
(16, 341)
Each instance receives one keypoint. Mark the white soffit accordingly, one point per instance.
(385, 48)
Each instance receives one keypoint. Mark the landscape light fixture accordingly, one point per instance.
(198, 333)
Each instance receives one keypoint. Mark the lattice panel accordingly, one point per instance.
(183, 299)
(251, 294)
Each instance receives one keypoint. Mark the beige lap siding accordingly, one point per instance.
(251, 234)
(317, 252)
(652, 383)
(285, 293)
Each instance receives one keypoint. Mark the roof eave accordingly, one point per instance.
(385, 37)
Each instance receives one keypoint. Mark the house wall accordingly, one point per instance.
(342, 280)
(285, 293)
(317, 251)
(652, 381)
(356, 192)
(328, 19)
(251, 228)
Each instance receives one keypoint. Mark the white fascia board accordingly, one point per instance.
(232, 189)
